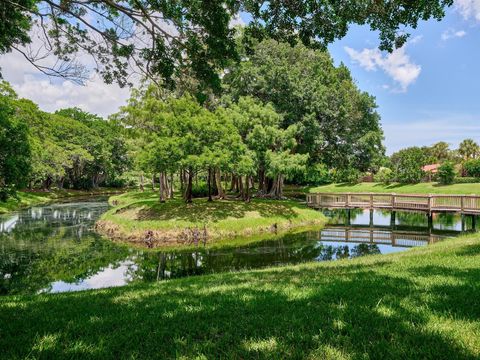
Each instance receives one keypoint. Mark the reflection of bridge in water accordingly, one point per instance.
(381, 236)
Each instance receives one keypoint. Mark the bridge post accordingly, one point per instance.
(463, 222)
(474, 223)
(430, 220)
(392, 219)
(393, 201)
(349, 217)
(371, 217)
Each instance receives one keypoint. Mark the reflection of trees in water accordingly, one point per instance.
(365, 249)
(411, 218)
(293, 248)
(340, 216)
(50, 244)
(447, 219)
(331, 252)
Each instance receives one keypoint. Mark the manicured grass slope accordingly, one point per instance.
(137, 212)
(420, 304)
(421, 188)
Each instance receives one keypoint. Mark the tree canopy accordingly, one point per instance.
(337, 123)
(166, 39)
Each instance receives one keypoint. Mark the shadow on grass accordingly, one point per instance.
(215, 211)
(333, 311)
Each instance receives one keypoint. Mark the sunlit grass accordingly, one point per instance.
(421, 188)
(420, 304)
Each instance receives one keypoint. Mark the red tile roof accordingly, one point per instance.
(433, 168)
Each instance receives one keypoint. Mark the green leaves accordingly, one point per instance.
(336, 123)
(15, 160)
(168, 39)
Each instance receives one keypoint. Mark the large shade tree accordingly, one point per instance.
(168, 38)
(338, 124)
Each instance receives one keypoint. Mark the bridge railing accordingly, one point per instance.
(415, 202)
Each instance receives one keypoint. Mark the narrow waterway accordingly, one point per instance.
(53, 248)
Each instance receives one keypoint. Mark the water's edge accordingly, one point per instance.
(54, 248)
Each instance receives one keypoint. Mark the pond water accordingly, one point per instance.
(53, 248)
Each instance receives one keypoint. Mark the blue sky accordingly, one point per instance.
(428, 91)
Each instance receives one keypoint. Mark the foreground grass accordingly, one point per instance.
(32, 198)
(420, 304)
(421, 188)
(171, 222)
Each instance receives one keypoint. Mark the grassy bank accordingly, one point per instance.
(420, 304)
(173, 223)
(32, 198)
(421, 188)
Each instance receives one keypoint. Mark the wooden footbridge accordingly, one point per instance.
(464, 204)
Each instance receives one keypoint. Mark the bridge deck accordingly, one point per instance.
(465, 204)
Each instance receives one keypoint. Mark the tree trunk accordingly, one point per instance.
(153, 182)
(277, 187)
(218, 179)
(59, 183)
(166, 185)
(171, 186)
(233, 183)
(247, 188)
(240, 188)
(141, 183)
(188, 192)
(182, 181)
(162, 190)
(209, 183)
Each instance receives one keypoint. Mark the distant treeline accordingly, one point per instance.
(69, 148)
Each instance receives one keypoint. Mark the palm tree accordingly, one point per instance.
(468, 149)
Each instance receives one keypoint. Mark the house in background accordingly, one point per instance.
(430, 170)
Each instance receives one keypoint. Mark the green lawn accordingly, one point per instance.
(420, 304)
(421, 188)
(32, 198)
(135, 213)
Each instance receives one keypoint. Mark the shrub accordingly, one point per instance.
(384, 176)
(351, 176)
(408, 165)
(467, 180)
(318, 174)
(446, 173)
(472, 167)
(200, 189)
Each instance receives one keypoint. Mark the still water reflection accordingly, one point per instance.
(53, 248)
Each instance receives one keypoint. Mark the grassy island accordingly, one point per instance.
(140, 218)
(420, 304)
(420, 188)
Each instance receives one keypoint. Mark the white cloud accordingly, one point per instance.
(52, 94)
(416, 39)
(452, 33)
(469, 9)
(397, 64)
(237, 21)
